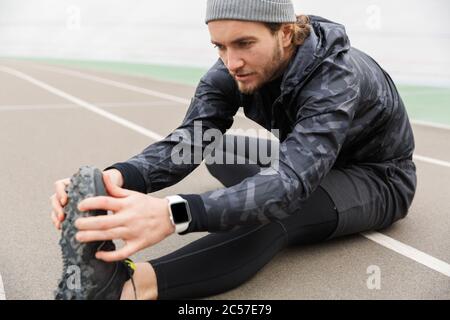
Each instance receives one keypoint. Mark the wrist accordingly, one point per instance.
(179, 213)
(116, 176)
(171, 225)
(130, 177)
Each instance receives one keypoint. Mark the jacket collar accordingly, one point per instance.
(301, 63)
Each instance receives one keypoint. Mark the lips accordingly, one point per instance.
(242, 77)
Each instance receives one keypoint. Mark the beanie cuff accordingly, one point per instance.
(276, 11)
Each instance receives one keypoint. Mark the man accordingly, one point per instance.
(344, 164)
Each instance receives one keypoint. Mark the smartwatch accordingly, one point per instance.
(179, 212)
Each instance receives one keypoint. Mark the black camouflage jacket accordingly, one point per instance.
(336, 106)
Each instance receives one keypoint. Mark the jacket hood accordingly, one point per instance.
(326, 39)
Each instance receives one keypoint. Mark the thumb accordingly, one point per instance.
(114, 190)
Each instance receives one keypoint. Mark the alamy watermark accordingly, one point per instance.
(73, 21)
(373, 21)
(74, 279)
(374, 280)
(249, 146)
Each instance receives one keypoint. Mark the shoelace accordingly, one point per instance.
(134, 288)
(131, 268)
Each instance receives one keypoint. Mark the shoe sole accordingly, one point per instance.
(76, 282)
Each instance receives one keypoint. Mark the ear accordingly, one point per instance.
(287, 32)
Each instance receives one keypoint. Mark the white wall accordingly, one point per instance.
(410, 38)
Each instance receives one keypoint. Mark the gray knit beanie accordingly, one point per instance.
(277, 11)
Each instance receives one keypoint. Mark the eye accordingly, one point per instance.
(245, 44)
(219, 47)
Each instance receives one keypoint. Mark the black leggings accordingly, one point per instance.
(221, 261)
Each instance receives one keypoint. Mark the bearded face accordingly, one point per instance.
(250, 51)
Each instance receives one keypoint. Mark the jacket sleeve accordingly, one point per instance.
(327, 106)
(212, 107)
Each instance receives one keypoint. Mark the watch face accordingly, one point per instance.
(179, 212)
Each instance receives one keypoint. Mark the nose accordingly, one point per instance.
(234, 62)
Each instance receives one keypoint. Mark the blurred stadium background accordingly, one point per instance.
(168, 40)
(410, 38)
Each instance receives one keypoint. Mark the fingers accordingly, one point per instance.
(100, 203)
(61, 194)
(115, 175)
(113, 189)
(101, 222)
(55, 220)
(117, 255)
(57, 208)
(110, 234)
(58, 201)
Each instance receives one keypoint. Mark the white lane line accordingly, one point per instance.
(134, 88)
(432, 161)
(84, 104)
(2, 289)
(121, 85)
(116, 84)
(386, 241)
(185, 101)
(410, 252)
(35, 107)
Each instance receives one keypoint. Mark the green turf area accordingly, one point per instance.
(427, 103)
(423, 103)
(185, 75)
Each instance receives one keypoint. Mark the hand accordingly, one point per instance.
(139, 219)
(59, 199)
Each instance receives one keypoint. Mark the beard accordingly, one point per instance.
(268, 72)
